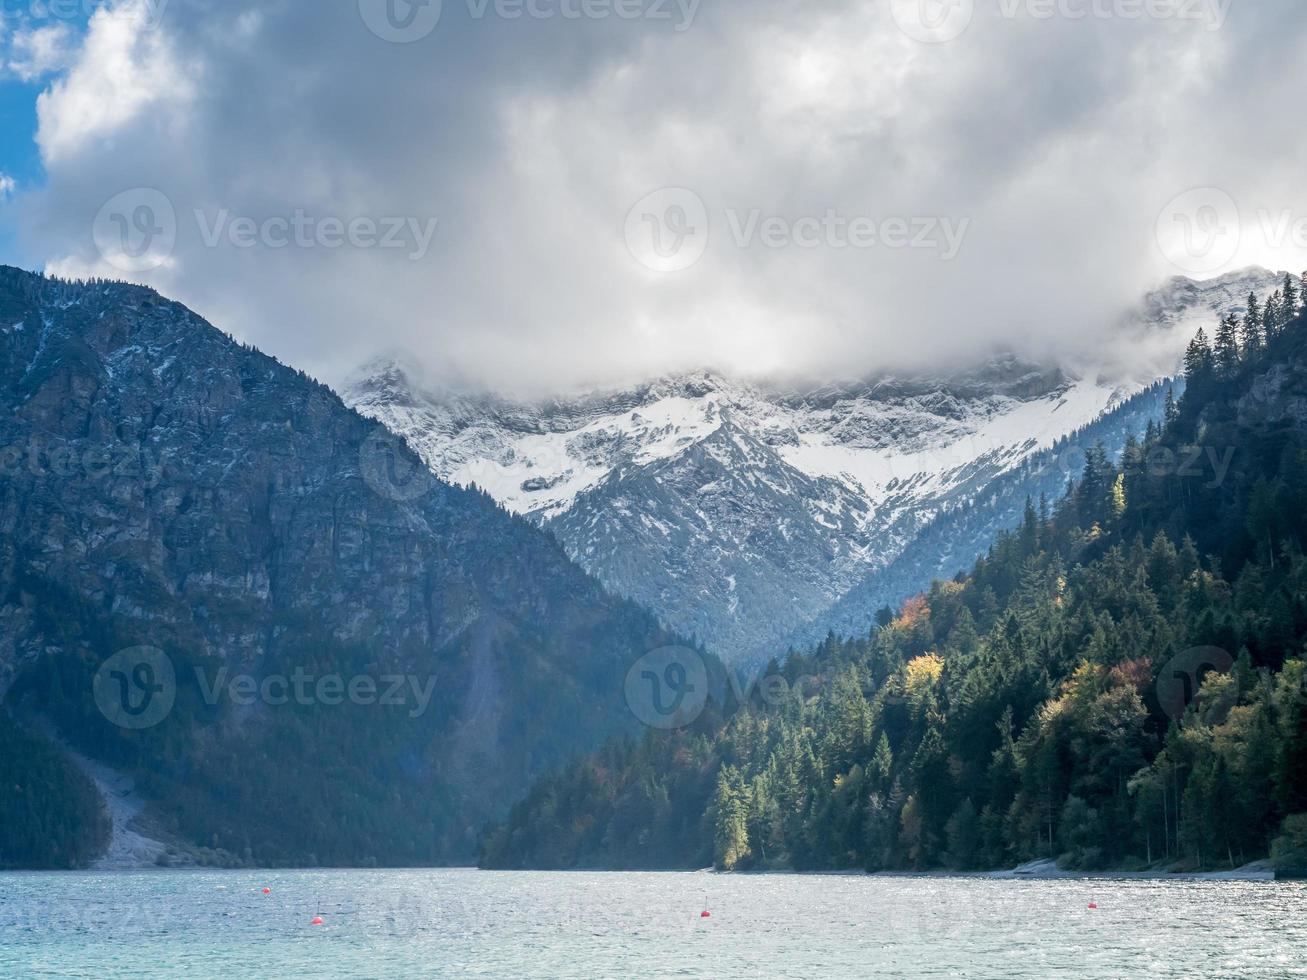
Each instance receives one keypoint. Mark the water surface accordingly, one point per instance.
(486, 924)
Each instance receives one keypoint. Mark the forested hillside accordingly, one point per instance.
(1119, 682)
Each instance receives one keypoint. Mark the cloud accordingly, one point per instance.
(35, 53)
(122, 70)
(7, 187)
(1055, 144)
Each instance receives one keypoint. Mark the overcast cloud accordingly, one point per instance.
(1029, 158)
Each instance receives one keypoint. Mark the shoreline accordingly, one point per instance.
(1257, 871)
(1048, 870)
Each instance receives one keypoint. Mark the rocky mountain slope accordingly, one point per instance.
(742, 512)
(164, 486)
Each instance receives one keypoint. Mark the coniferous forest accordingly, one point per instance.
(1119, 683)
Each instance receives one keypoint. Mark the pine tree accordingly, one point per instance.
(1198, 359)
(1029, 530)
(882, 764)
(1226, 350)
(731, 836)
(1251, 333)
(1118, 496)
(1172, 411)
(1291, 298)
(1271, 317)
(1095, 484)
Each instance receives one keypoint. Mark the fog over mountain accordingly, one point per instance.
(531, 141)
(743, 512)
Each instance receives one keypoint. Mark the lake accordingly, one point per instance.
(465, 923)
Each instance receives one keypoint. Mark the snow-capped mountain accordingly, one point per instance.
(739, 511)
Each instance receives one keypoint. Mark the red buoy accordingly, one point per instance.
(267, 891)
(1093, 905)
(705, 914)
(317, 921)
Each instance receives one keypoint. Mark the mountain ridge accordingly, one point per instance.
(883, 458)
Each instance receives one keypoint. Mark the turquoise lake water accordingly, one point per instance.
(480, 924)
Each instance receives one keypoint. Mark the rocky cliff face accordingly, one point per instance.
(175, 489)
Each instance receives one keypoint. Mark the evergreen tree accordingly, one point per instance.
(1272, 317)
(1291, 298)
(1251, 335)
(1226, 349)
(1096, 482)
(731, 805)
(1198, 361)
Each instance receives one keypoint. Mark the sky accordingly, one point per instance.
(544, 194)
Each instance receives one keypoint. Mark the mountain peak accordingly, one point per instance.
(743, 489)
